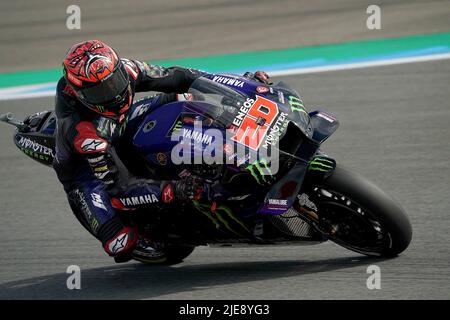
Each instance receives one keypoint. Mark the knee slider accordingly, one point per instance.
(116, 238)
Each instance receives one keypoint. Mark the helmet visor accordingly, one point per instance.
(109, 90)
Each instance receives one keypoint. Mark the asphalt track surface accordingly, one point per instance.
(394, 130)
(34, 34)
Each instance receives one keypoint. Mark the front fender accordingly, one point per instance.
(324, 125)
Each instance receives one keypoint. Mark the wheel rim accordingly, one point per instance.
(349, 224)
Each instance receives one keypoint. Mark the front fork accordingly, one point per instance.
(319, 169)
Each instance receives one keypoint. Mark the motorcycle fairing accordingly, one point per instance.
(324, 123)
(283, 194)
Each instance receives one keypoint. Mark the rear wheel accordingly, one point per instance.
(357, 215)
(172, 255)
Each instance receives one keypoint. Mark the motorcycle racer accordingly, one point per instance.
(96, 92)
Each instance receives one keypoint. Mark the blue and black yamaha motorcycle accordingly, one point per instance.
(253, 203)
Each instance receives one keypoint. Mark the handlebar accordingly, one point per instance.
(9, 118)
(6, 117)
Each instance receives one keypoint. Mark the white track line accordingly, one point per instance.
(357, 65)
(14, 93)
(20, 92)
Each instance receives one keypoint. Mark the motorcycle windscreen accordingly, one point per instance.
(215, 101)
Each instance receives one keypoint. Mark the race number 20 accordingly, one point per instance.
(256, 122)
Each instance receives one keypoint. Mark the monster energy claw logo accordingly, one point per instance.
(123, 126)
(221, 217)
(322, 164)
(261, 172)
(296, 104)
(177, 126)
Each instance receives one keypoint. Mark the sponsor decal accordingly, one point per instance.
(140, 200)
(239, 198)
(262, 89)
(228, 149)
(69, 91)
(74, 80)
(237, 121)
(101, 169)
(176, 127)
(93, 222)
(233, 156)
(35, 147)
(131, 68)
(106, 127)
(288, 188)
(116, 204)
(223, 217)
(93, 145)
(140, 110)
(149, 126)
(240, 161)
(253, 121)
(276, 130)
(123, 125)
(97, 201)
(119, 244)
(154, 71)
(197, 136)
(261, 172)
(183, 118)
(321, 163)
(35, 155)
(326, 117)
(281, 97)
(161, 158)
(123, 118)
(229, 81)
(185, 97)
(101, 175)
(296, 104)
(184, 173)
(96, 160)
(277, 204)
(168, 195)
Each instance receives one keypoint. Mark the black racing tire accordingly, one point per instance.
(174, 254)
(378, 209)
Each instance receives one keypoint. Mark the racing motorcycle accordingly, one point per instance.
(253, 204)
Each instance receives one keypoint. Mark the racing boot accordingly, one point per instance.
(149, 251)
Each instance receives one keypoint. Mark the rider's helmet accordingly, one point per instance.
(99, 78)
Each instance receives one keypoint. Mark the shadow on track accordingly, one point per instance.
(139, 281)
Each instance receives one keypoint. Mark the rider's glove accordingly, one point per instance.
(321, 166)
(186, 189)
(260, 76)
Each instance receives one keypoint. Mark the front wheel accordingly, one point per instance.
(357, 215)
